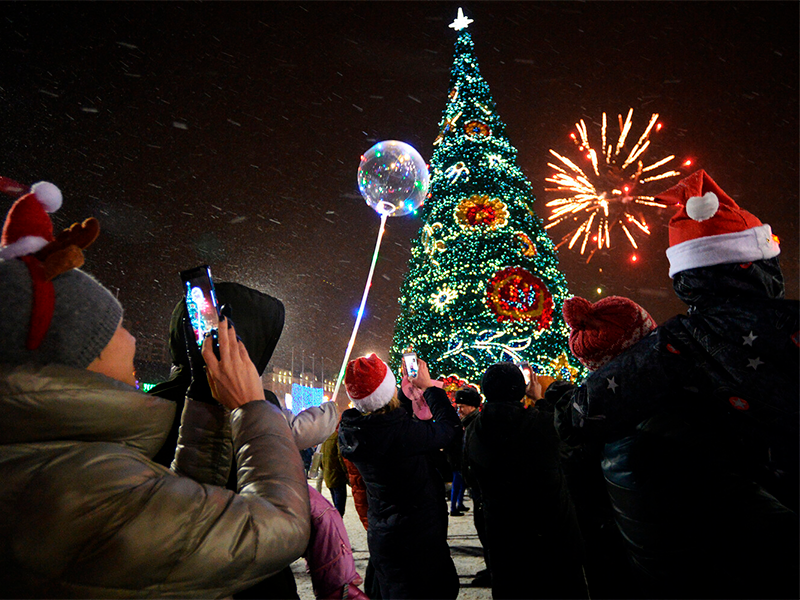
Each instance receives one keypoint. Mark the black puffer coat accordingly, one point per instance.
(407, 512)
(700, 421)
(512, 453)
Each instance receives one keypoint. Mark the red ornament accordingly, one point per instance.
(479, 215)
(514, 294)
(479, 210)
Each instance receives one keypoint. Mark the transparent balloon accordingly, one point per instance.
(393, 178)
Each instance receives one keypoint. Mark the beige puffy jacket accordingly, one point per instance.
(84, 512)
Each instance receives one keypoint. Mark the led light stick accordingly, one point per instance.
(393, 178)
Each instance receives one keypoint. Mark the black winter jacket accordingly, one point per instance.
(512, 453)
(407, 512)
(700, 425)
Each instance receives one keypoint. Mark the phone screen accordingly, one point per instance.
(526, 371)
(201, 301)
(410, 360)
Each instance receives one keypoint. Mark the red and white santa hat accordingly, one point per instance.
(28, 227)
(370, 383)
(711, 229)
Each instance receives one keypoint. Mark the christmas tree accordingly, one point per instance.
(483, 283)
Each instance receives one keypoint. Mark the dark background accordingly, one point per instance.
(230, 133)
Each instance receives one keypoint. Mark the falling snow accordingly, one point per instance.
(231, 133)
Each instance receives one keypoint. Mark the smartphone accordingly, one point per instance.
(410, 361)
(526, 371)
(201, 302)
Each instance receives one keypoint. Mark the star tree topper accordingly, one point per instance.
(461, 21)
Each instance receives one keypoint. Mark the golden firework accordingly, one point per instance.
(611, 193)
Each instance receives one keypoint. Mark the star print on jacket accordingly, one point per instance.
(755, 362)
(612, 385)
(748, 339)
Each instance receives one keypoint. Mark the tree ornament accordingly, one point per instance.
(447, 127)
(442, 298)
(455, 171)
(477, 129)
(528, 248)
(481, 211)
(514, 294)
(562, 367)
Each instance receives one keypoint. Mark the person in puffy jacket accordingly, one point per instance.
(407, 534)
(85, 511)
(700, 418)
(259, 324)
(259, 320)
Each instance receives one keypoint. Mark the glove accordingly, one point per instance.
(418, 404)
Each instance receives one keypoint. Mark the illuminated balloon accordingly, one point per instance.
(393, 178)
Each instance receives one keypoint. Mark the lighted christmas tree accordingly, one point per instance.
(483, 283)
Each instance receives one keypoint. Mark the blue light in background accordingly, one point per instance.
(304, 397)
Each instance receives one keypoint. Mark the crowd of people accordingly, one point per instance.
(670, 471)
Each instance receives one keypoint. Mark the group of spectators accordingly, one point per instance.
(670, 471)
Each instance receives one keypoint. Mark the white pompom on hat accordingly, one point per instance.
(28, 227)
(711, 229)
(370, 383)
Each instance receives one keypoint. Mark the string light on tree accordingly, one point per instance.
(611, 192)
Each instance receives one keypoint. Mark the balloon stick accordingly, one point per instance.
(361, 308)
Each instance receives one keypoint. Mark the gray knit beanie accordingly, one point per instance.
(85, 317)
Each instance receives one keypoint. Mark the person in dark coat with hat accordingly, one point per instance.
(512, 453)
(468, 403)
(407, 512)
(468, 400)
(700, 418)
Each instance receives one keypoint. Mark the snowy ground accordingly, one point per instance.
(464, 548)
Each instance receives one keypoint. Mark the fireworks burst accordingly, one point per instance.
(611, 193)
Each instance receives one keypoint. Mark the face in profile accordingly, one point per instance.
(464, 410)
(116, 359)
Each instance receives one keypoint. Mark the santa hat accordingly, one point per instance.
(711, 229)
(601, 331)
(370, 383)
(28, 227)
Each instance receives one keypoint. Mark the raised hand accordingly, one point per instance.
(233, 377)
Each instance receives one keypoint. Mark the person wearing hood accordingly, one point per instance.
(727, 371)
(511, 454)
(86, 513)
(407, 512)
(259, 321)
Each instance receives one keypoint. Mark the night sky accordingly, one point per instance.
(231, 133)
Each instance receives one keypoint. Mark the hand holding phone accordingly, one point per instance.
(233, 378)
(201, 304)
